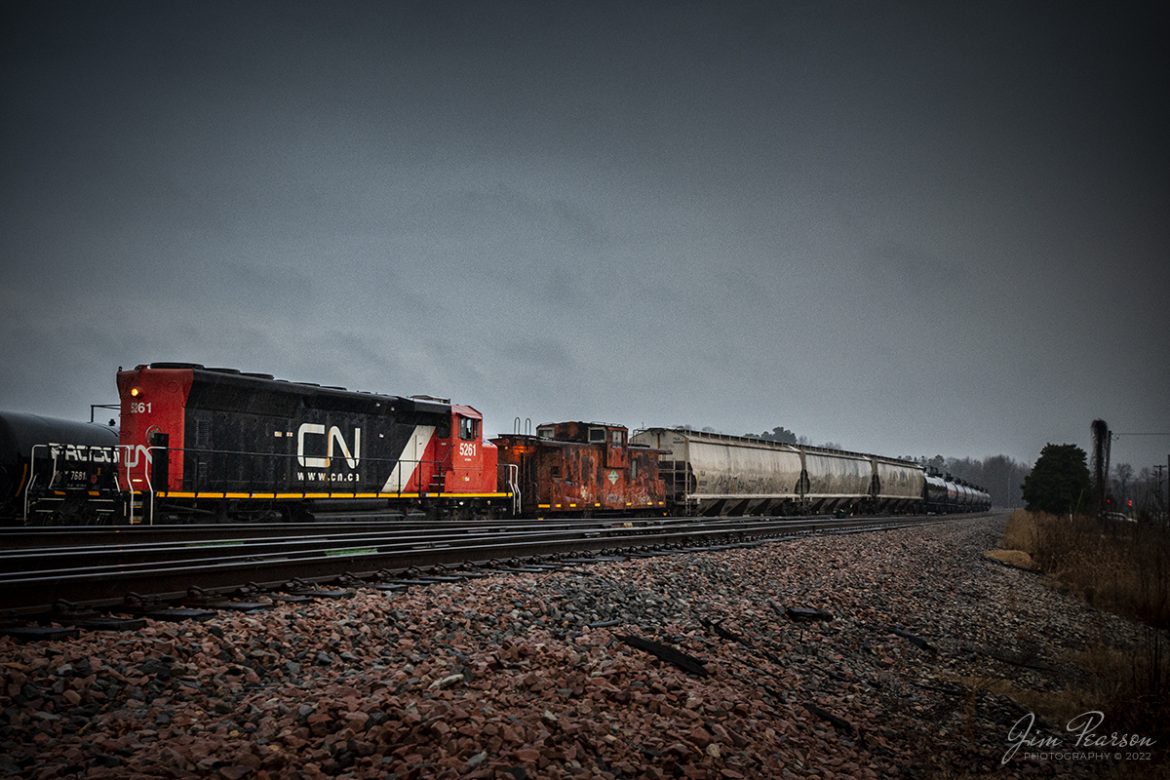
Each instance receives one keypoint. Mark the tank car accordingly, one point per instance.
(936, 494)
(945, 494)
(584, 468)
(240, 444)
(54, 470)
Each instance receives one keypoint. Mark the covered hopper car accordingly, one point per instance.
(715, 474)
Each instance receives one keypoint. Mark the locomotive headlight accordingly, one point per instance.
(135, 392)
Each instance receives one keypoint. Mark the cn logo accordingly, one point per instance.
(352, 457)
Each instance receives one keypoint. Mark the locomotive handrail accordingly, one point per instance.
(94, 407)
(513, 470)
(32, 457)
(31, 482)
(149, 482)
(273, 457)
(53, 459)
(130, 463)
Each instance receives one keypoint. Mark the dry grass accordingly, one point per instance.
(1124, 568)
(1015, 558)
(1134, 682)
(1022, 532)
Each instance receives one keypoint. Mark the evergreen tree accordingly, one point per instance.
(780, 434)
(1059, 482)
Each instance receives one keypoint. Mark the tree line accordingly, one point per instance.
(1000, 475)
(1144, 487)
(1061, 483)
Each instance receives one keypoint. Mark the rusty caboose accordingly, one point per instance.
(583, 468)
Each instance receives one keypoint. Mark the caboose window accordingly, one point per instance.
(468, 428)
(545, 432)
(597, 435)
(616, 438)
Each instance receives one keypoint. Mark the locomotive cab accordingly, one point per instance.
(468, 462)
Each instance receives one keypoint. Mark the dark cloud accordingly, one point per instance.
(903, 227)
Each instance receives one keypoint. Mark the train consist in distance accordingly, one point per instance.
(200, 443)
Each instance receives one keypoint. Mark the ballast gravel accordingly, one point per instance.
(547, 675)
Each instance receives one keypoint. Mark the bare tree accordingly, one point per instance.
(1122, 479)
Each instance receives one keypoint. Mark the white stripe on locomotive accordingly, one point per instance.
(415, 447)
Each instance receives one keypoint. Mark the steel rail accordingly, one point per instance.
(60, 560)
(108, 584)
(16, 538)
(26, 559)
(23, 538)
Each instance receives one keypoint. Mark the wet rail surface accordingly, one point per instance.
(170, 563)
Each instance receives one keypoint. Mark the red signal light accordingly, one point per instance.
(1129, 503)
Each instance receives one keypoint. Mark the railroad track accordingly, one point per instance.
(83, 568)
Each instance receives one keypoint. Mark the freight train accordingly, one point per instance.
(216, 443)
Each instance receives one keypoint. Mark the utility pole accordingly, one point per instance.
(1159, 468)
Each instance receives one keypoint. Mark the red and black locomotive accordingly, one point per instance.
(239, 443)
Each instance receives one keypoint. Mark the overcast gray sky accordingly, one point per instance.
(909, 228)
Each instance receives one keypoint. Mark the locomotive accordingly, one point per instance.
(199, 442)
(243, 444)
